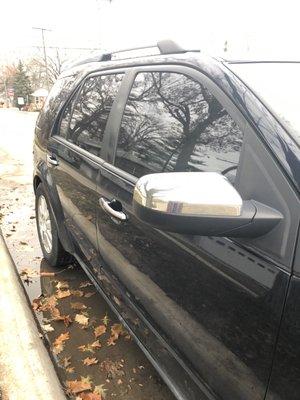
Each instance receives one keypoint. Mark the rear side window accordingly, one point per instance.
(173, 123)
(57, 96)
(84, 119)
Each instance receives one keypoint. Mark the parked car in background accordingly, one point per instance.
(173, 180)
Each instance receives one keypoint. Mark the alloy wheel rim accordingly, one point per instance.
(44, 224)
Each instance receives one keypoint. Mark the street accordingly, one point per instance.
(87, 344)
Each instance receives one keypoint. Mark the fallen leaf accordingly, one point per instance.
(79, 386)
(47, 328)
(62, 285)
(85, 284)
(105, 320)
(82, 319)
(27, 274)
(44, 303)
(59, 342)
(78, 293)
(70, 370)
(116, 331)
(91, 347)
(56, 316)
(78, 306)
(61, 294)
(100, 390)
(90, 361)
(99, 330)
(65, 362)
(89, 294)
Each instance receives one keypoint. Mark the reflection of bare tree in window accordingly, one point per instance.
(166, 117)
(92, 109)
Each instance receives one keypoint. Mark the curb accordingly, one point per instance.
(26, 370)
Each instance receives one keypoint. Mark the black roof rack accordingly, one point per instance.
(164, 46)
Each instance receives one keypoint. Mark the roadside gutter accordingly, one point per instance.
(26, 370)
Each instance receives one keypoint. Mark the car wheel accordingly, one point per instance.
(51, 246)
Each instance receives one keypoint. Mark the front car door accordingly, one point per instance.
(212, 304)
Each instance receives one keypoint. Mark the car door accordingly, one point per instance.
(75, 155)
(214, 304)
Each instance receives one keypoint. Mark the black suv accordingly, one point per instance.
(173, 179)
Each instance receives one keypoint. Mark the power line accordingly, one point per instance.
(69, 48)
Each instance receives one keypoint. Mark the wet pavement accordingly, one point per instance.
(90, 349)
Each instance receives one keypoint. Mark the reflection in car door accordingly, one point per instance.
(77, 146)
(214, 301)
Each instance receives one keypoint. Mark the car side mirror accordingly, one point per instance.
(200, 203)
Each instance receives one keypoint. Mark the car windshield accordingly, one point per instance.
(278, 86)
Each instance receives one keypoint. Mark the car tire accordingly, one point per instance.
(51, 246)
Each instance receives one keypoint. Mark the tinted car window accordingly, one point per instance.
(57, 96)
(90, 112)
(173, 123)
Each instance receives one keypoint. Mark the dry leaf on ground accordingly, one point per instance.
(44, 303)
(29, 272)
(65, 362)
(116, 331)
(100, 390)
(85, 284)
(99, 330)
(61, 294)
(89, 294)
(76, 386)
(56, 316)
(90, 347)
(105, 320)
(59, 342)
(47, 328)
(82, 319)
(62, 285)
(78, 293)
(90, 361)
(78, 306)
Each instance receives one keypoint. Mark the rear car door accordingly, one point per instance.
(74, 157)
(213, 304)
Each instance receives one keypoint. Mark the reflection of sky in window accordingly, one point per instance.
(278, 85)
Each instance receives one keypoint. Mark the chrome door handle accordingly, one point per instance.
(106, 205)
(51, 159)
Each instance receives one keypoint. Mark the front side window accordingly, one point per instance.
(173, 123)
(84, 123)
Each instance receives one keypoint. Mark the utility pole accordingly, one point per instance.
(6, 96)
(45, 54)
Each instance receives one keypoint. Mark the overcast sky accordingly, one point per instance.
(262, 28)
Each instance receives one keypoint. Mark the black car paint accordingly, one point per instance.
(225, 347)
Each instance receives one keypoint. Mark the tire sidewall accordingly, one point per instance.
(53, 255)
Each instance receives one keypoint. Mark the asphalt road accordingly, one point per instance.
(68, 310)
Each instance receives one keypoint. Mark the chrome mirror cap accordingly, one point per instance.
(188, 193)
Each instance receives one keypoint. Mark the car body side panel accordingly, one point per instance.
(285, 378)
(219, 306)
